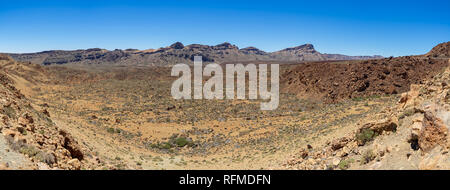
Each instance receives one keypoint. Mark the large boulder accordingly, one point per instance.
(433, 132)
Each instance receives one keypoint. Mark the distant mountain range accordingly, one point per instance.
(178, 53)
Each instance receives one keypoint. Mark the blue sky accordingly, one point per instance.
(347, 27)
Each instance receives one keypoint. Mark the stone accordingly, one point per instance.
(74, 164)
(336, 161)
(25, 120)
(339, 143)
(303, 153)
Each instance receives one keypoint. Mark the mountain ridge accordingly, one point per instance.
(179, 53)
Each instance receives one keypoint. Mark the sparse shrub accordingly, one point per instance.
(110, 130)
(29, 150)
(15, 145)
(366, 135)
(32, 151)
(368, 156)
(345, 164)
(10, 112)
(105, 109)
(153, 145)
(118, 130)
(46, 158)
(181, 142)
(165, 145)
(126, 134)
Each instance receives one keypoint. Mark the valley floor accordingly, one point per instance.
(131, 121)
(125, 118)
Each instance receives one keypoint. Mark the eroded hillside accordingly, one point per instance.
(411, 134)
(28, 128)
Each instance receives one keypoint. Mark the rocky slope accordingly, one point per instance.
(413, 134)
(335, 81)
(28, 129)
(178, 53)
(441, 50)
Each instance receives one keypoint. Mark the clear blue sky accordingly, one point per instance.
(347, 27)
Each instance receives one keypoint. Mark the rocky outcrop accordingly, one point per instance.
(177, 45)
(433, 132)
(370, 130)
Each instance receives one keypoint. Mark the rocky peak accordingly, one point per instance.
(302, 48)
(224, 46)
(177, 45)
(441, 50)
(252, 50)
